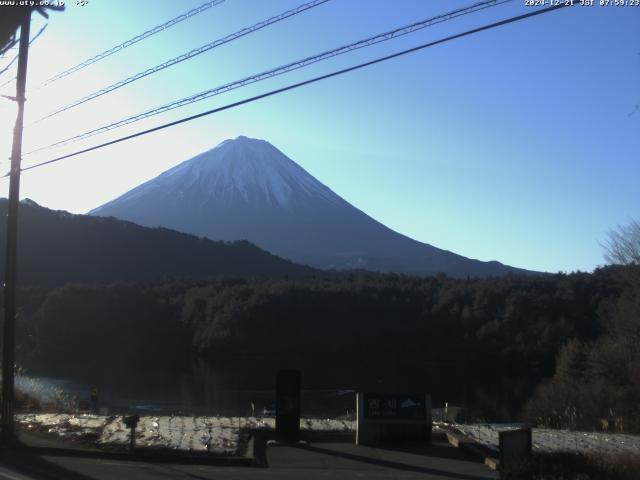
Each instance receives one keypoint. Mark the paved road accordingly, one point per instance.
(316, 461)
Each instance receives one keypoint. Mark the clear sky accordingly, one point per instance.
(518, 144)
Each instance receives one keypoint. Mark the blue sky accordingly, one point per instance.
(517, 144)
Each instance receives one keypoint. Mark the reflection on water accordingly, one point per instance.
(204, 390)
(246, 387)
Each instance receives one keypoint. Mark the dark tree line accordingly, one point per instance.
(597, 380)
(492, 342)
(57, 247)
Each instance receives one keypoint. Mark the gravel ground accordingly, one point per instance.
(218, 435)
(547, 440)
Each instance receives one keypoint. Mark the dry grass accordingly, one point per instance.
(25, 402)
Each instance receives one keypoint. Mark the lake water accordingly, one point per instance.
(248, 386)
(202, 390)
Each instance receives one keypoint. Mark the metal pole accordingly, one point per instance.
(8, 338)
(132, 440)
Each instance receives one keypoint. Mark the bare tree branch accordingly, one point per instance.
(622, 246)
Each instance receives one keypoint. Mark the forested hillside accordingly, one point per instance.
(56, 247)
(494, 340)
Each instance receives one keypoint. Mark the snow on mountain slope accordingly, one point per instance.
(247, 189)
(240, 169)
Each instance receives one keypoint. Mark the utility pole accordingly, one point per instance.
(8, 338)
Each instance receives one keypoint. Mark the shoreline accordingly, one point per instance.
(212, 435)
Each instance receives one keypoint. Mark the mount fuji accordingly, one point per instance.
(246, 189)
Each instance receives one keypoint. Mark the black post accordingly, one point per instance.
(131, 422)
(132, 440)
(94, 400)
(8, 338)
(288, 396)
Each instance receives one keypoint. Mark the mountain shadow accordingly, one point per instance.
(57, 247)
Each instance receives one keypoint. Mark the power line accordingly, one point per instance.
(8, 81)
(2, 54)
(303, 83)
(132, 41)
(8, 65)
(190, 54)
(280, 70)
(16, 57)
(10, 44)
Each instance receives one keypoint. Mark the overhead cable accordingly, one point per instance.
(278, 71)
(188, 55)
(301, 84)
(8, 65)
(132, 41)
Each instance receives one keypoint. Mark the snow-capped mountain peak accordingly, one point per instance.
(246, 189)
(245, 168)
